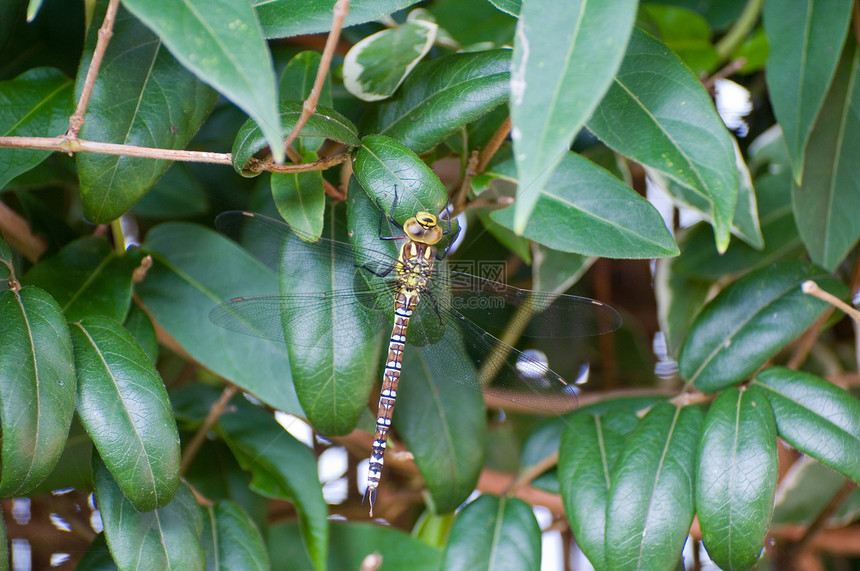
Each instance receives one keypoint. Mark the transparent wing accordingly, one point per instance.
(268, 316)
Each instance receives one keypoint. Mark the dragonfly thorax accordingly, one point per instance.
(423, 228)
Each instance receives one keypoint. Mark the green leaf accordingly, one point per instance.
(563, 62)
(657, 113)
(97, 556)
(7, 262)
(324, 123)
(736, 477)
(300, 198)
(384, 167)
(124, 407)
(297, 81)
(590, 447)
(285, 18)
(651, 498)
(432, 400)
(37, 103)
(165, 538)
(825, 201)
(231, 540)
(679, 300)
(442, 95)
(88, 278)
(140, 326)
(805, 43)
(511, 7)
(684, 32)
(178, 194)
(299, 76)
(375, 67)
(494, 533)
(805, 488)
(749, 321)
(700, 259)
(37, 388)
(333, 379)
(183, 285)
(222, 43)
(350, 545)
(582, 208)
(282, 468)
(131, 105)
(816, 417)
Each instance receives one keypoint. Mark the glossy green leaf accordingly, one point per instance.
(37, 388)
(805, 488)
(825, 201)
(684, 32)
(282, 468)
(231, 540)
(300, 198)
(657, 113)
(590, 447)
(184, 284)
(299, 76)
(140, 326)
(124, 407)
(816, 417)
(333, 380)
(375, 67)
(222, 43)
(444, 94)
(284, 18)
(433, 410)
(700, 259)
(584, 209)
(564, 58)
(7, 262)
(350, 544)
(736, 477)
(751, 320)
(495, 534)
(142, 97)
(164, 538)
(97, 556)
(37, 103)
(805, 43)
(679, 300)
(88, 278)
(651, 498)
(178, 194)
(511, 7)
(384, 167)
(324, 123)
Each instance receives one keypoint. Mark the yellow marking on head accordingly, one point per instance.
(423, 228)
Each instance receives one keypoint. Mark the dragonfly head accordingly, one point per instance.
(424, 228)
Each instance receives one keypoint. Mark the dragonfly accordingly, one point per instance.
(415, 290)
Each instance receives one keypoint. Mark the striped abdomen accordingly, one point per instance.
(413, 273)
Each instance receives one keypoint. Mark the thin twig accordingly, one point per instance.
(76, 121)
(807, 341)
(341, 9)
(215, 413)
(17, 231)
(532, 472)
(811, 288)
(739, 30)
(795, 551)
(493, 145)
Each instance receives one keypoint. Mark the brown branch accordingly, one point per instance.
(218, 408)
(495, 142)
(811, 288)
(807, 341)
(310, 105)
(532, 472)
(76, 121)
(17, 232)
(493, 482)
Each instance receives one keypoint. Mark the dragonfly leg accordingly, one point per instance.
(390, 219)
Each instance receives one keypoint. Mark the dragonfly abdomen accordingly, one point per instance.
(404, 306)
